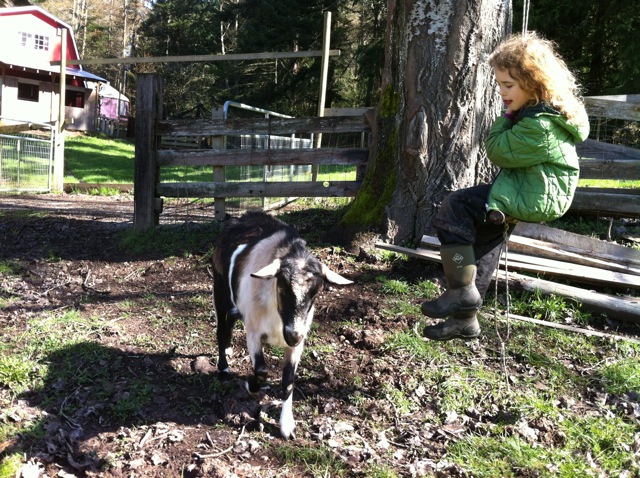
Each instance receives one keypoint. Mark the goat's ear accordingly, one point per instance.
(268, 271)
(334, 277)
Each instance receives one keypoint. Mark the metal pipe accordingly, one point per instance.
(242, 106)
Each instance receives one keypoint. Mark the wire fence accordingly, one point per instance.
(615, 131)
(203, 208)
(26, 160)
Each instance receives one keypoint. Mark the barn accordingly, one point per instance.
(29, 84)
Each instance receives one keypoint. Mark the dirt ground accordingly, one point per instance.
(192, 426)
(141, 396)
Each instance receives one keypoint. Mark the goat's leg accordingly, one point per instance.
(260, 372)
(226, 319)
(291, 359)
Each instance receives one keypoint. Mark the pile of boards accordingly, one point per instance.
(549, 253)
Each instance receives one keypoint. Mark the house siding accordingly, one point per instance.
(30, 42)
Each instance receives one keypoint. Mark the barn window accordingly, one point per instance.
(74, 99)
(35, 41)
(28, 92)
(25, 38)
(41, 42)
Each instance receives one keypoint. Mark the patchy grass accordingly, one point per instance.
(373, 398)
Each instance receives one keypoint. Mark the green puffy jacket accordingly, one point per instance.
(539, 164)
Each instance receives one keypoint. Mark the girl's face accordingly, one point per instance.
(513, 96)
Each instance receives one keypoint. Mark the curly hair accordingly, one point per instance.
(533, 62)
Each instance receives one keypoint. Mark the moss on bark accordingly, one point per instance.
(368, 208)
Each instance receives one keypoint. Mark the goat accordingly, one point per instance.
(264, 275)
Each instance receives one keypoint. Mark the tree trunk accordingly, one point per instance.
(438, 100)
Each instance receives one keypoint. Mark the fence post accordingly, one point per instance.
(218, 142)
(326, 40)
(148, 111)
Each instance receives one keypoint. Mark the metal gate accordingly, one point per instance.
(26, 159)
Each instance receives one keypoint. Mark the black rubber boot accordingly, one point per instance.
(463, 326)
(461, 296)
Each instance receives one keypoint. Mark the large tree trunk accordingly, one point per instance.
(438, 100)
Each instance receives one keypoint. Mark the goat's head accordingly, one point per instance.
(299, 279)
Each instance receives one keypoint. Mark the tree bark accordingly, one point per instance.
(438, 101)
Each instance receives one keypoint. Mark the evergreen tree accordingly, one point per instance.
(598, 39)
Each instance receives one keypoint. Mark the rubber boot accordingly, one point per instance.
(463, 325)
(459, 264)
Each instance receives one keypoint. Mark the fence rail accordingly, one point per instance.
(149, 189)
(599, 160)
(604, 160)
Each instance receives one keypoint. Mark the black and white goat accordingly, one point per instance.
(264, 275)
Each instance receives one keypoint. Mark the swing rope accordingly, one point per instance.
(525, 17)
(505, 249)
(503, 338)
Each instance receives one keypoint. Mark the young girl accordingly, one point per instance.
(533, 142)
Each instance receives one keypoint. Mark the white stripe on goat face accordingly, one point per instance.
(300, 281)
(304, 286)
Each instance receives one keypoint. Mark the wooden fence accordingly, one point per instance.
(148, 190)
(602, 161)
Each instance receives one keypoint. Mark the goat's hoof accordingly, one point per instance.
(224, 375)
(253, 387)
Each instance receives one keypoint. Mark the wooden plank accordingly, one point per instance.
(541, 265)
(346, 111)
(271, 126)
(192, 58)
(616, 307)
(598, 150)
(606, 202)
(570, 328)
(623, 308)
(548, 250)
(576, 272)
(433, 256)
(623, 169)
(534, 247)
(614, 107)
(266, 157)
(259, 189)
(579, 243)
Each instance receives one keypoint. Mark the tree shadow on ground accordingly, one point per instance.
(93, 390)
(95, 396)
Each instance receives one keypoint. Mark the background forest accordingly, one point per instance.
(598, 39)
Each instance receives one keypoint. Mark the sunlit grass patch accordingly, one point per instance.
(586, 446)
(18, 373)
(9, 267)
(549, 307)
(315, 460)
(394, 286)
(622, 376)
(10, 464)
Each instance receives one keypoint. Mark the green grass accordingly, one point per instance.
(508, 454)
(318, 461)
(98, 159)
(95, 159)
(610, 183)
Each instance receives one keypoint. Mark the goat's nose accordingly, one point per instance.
(293, 337)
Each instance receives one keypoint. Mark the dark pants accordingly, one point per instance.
(462, 219)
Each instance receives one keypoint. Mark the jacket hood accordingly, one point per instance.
(578, 129)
